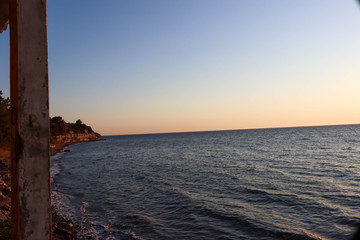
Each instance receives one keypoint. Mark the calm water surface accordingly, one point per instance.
(290, 183)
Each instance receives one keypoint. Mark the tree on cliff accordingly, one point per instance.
(4, 121)
(58, 127)
(79, 126)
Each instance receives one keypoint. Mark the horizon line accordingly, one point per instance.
(239, 129)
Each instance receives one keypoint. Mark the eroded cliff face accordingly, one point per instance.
(73, 137)
(63, 134)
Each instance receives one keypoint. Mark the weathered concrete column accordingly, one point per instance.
(31, 217)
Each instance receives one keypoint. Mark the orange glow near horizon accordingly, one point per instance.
(329, 104)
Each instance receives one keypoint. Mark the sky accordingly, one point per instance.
(140, 66)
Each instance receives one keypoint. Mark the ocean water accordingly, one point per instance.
(289, 183)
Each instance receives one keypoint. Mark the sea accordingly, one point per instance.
(280, 183)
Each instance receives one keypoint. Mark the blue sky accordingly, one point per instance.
(163, 66)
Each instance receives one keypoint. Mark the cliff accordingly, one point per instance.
(63, 133)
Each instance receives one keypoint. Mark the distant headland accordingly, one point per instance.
(63, 133)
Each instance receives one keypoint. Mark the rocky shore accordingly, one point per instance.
(5, 200)
(62, 229)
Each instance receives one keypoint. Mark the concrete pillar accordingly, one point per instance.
(31, 216)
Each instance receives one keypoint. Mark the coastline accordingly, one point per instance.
(62, 228)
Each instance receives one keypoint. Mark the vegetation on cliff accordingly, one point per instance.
(60, 131)
(63, 132)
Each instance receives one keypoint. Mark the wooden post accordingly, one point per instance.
(31, 216)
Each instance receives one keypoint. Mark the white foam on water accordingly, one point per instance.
(312, 235)
(55, 164)
(62, 205)
(89, 229)
(97, 230)
(54, 170)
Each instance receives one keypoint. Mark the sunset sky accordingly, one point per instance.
(129, 67)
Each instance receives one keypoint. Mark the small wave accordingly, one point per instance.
(206, 211)
(54, 170)
(74, 209)
(55, 167)
(267, 192)
(346, 220)
(60, 154)
(89, 229)
(296, 235)
(255, 229)
(62, 205)
(309, 235)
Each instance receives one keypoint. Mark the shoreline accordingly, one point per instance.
(62, 228)
(59, 147)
